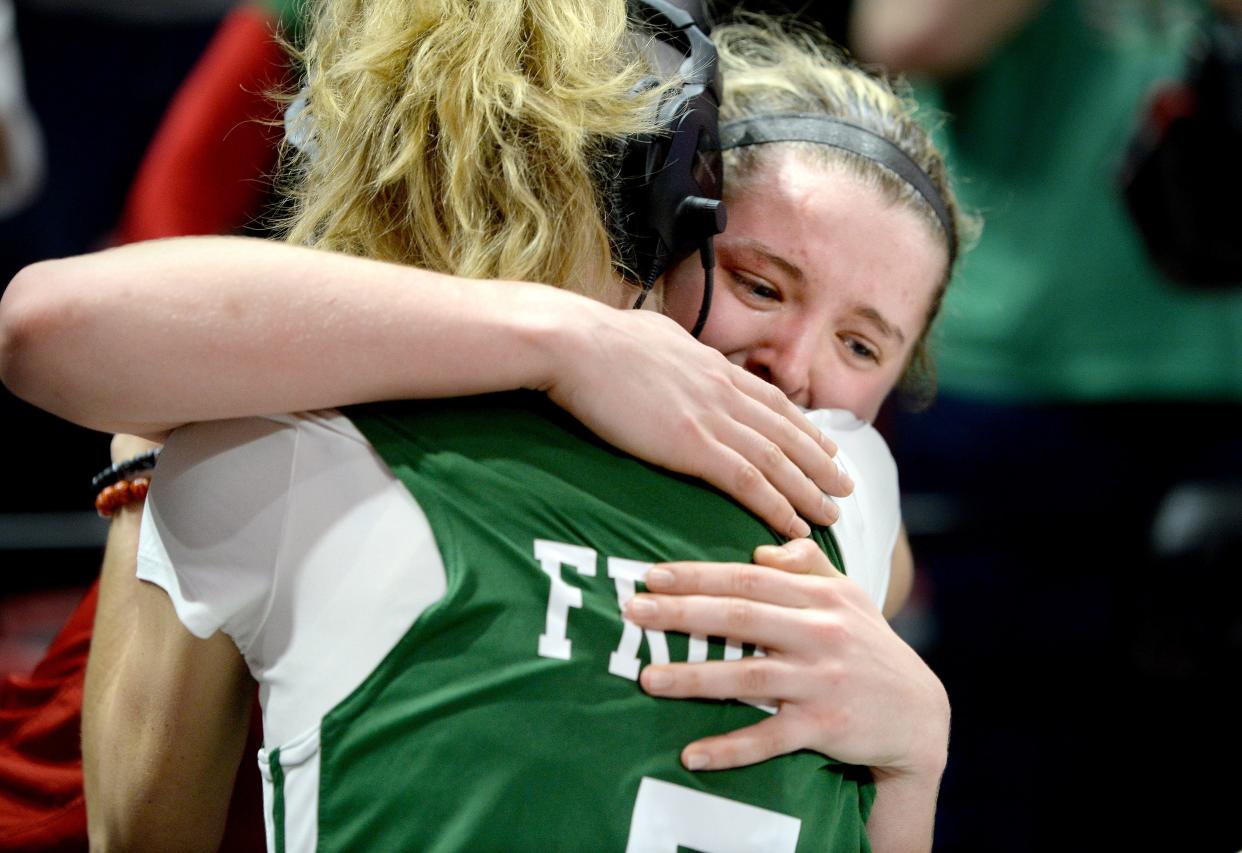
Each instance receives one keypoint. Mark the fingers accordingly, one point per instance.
(773, 626)
(774, 461)
(752, 679)
(758, 469)
(737, 580)
(781, 421)
(798, 556)
(773, 455)
(765, 739)
(753, 488)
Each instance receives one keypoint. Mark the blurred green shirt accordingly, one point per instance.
(1058, 301)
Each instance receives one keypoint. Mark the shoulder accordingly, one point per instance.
(220, 508)
(861, 448)
(870, 517)
(229, 476)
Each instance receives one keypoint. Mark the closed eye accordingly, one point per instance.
(860, 349)
(756, 288)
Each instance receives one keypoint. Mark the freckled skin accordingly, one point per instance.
(810, 260)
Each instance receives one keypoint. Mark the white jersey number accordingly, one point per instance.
(667, 816)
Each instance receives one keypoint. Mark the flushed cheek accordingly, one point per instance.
(856, 391)
(683, 293)
(732, 330)
(681, 303)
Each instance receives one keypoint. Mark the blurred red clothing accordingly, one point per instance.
(208, 169)
(206, 172)
(41, 804)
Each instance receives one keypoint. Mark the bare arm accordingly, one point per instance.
(204, 328)
(939, 37)
(901, 576)
(903, 817)
(164, 715)
(147, 337)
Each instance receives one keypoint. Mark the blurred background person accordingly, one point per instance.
(201, 83)
(1089, 633)
(21, 143)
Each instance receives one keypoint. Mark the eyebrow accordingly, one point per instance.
(749, 244)
(868, 312)
(885, 327)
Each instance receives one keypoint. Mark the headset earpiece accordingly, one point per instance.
(670, 184)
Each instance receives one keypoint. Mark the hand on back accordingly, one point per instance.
(847, 686)
(642, 383)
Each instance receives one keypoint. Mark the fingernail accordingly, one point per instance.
(767, 552)
(847, 480)
(799, 529)
(659, 578)
(640, 606)
(828, 444)
(695, 761)
(831, 511)
(658, 679)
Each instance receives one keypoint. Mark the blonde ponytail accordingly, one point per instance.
(467, 136)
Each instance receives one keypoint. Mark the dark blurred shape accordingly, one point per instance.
(1183, 174)
(833, 17)
(98, 86)
(207, 170)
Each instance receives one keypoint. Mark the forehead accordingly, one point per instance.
(842, 231)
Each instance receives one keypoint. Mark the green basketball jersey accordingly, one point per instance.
(509, 716)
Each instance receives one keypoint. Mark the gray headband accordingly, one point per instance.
(827, 130)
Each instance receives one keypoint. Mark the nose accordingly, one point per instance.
(787, 360)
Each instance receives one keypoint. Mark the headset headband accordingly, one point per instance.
(827, 130)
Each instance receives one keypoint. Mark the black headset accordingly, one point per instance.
(668, 194)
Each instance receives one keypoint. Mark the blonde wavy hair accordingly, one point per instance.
(778, 67)
(468, 136)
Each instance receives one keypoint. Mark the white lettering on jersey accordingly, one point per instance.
(624, 661)
(669, 817)
(767, 705)
(697, 653)
(553, 643)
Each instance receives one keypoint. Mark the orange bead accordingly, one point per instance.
(121, 493)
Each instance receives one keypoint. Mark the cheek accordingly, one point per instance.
(683, 292)
(732, 327)
(838, 386)
(835, 388)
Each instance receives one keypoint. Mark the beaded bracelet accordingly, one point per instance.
(118, 486)
(144, 461)
(121, 493)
